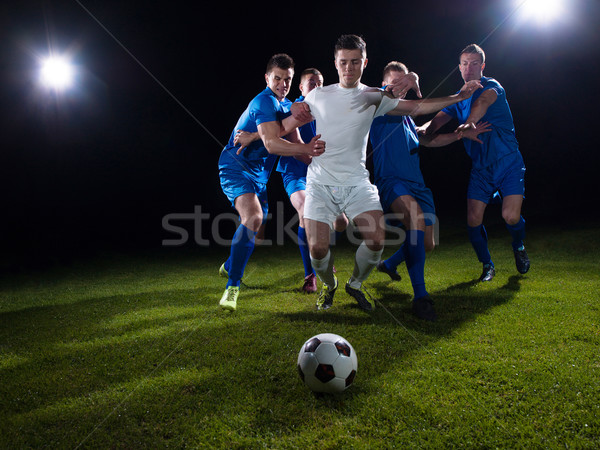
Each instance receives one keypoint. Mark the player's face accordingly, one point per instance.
(280, 81)
(310, 82)
(471, 67)
(350, 65)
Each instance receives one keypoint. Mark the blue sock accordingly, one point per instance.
(415, 261)
(242, 246)
(303, 244)
(517, 232)
(397, 258)
(479, 241)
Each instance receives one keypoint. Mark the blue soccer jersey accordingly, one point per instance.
(289, 164)
(499, 142)
(255, 161)
(395, 149)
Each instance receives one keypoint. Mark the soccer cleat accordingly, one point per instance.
(360, 298)
(488, 273)
(522, 260)
(325, 299)
(310, 284)
(223, 271)
(423, 308)
(394, 275)
(229, 298)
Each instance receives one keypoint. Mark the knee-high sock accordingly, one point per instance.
(242, 246)
(303, 245)
(364, 262)
(324, 269)
(517, 232)
(415, 261)
(397, 258)
(479, 241)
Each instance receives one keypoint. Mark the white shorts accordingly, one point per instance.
(324, 203)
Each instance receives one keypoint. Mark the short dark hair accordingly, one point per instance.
(310, 71)
(476, 49)
(394, 66)
(350, 42)
(281, 61)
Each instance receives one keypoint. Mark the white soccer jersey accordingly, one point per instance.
(343, 117)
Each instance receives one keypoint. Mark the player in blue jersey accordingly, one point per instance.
(244, 172)
(402, 190)
(293, 174)
(497, 164)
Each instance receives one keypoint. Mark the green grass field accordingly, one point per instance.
(133, 351)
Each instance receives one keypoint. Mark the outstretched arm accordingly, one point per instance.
(431, 127)
(479, 108)
(442, 139)
(431, 105)
(270, 133)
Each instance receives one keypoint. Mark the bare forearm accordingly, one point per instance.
(427, 106)
(279, 146)
(439, 140)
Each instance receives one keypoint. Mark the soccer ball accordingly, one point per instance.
(327, 363)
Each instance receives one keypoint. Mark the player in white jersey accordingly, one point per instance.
(338, 180)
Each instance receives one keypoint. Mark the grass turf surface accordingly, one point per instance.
(133, 351)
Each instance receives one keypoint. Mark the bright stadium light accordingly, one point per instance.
(56, 73)
(541, 11)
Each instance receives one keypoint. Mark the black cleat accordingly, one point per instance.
(488, 273)
(394, 275)
(522, 260)
(360, 298)
(325, 299)
(423, 308)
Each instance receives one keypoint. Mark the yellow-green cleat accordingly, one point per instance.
(229, 298)
(325, 299)
(223, 272)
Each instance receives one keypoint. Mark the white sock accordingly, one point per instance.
(324, 269)
(364, 262)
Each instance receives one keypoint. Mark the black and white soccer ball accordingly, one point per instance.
(327, 363)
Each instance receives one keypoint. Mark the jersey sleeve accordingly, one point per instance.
(263, 109)
(492, 84)
(386, 105)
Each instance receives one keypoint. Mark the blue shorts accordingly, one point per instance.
(293, 183)
(392, 188)
(506, 175)
(236, 182)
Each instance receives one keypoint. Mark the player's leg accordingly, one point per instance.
(370, 226)
(513, 188)
(429, 238)
(297, 198)
(511, 212)
(250, 210)
(407, 210)
(478, 237)
(318, 234)
(251, 217)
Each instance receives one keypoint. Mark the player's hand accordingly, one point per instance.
(316, 146)
(244, 139)
(400, 86)
(469, 87)
(301, 112)
(472, 131)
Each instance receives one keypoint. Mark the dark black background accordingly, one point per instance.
(160, 86)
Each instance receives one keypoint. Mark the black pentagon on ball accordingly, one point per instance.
(312, 345)
(324, 373)
(349, 378)
(343, 348)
